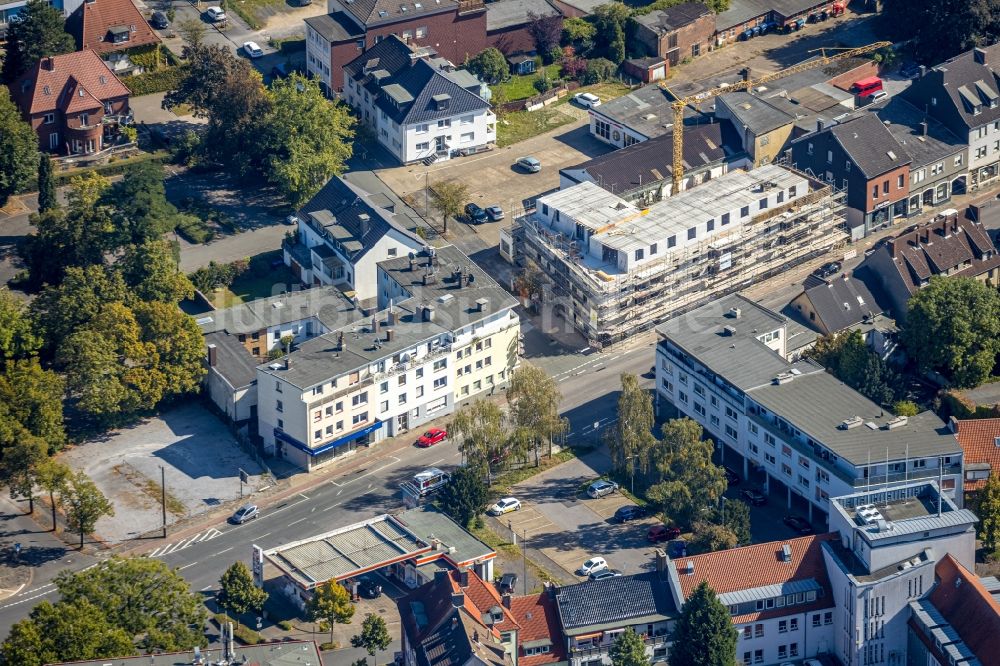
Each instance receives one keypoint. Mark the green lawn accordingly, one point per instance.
(522, 87)
(259, 281)
(522, 125)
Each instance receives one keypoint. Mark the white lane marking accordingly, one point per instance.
(223, 551)
(296, 522)
(303, 496)
(40, 587)
(439, 460)
(332, 506)
(207, 587)
(186, 542)
(186, 566)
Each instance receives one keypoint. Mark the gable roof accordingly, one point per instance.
(957, 85)
(842, 302)
(870, 145)
(905, 125)
(537, 619)
(968, 607)
(673, 18)
(614, 601)
(91, 24)
(46, 86)
(374, 12)
(756, 114)
(509, 13)
(978, 439)
(335, 27)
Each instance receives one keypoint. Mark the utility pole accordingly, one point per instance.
(163, 498)
(524, 553)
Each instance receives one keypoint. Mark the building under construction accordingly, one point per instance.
(614, 269)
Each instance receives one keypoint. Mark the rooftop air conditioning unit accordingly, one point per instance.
(852, 422)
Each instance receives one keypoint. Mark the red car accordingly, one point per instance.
(432, 437)
(662, 533)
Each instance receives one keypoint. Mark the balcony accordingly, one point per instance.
(651, 642)
(914, 475)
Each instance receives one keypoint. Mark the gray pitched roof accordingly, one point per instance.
(960, 83)
(335, 27)
(758, 115)
(614, 601)
(509, 13)
(233, 361)
(740, 11)
(842, 302)
(672, 18)
(904, 124)
(374, 12)
(870, 144)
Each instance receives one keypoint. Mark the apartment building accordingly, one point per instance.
(614, 269)
(763, 129)
(444, 332)
(724, 365)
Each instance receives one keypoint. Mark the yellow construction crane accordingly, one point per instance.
(677, 170)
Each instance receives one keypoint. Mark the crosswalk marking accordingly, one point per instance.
(185, 543)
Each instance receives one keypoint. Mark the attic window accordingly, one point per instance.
(81, 92)
(417, 5)
(891, 154)
(996, 442)
(46, 90)
(103, 79)
(402, 9)
(383, 13)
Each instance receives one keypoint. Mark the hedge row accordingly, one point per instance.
(112, 168)
(161, 80)
(242, 633)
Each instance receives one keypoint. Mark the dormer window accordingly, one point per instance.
(103, 79)
(46, 90)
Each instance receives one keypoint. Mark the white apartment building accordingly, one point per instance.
(417, 107)
(342, 234)
(791, 425)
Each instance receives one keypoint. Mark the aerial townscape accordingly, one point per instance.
(499, 333)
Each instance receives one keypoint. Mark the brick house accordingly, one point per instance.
(980, 441)
(73, 101)
(678, 32)
(112, 29)
(507, 23)
(455, 29)
(863, 156)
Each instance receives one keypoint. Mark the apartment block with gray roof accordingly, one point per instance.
(416, 109)
(791, 425)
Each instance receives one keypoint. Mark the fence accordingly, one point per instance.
(541, 100)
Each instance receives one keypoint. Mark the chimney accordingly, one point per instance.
(745, 73)
(388, 334)
(506, 601)
(979, 55)
(363, 220)
(952, 424)
(412, 261)
(661, 563)
(428, 313)
(482, 305)
(454, 621)
(390, 318)
(440, 575)
(340, 341)
(923, 128)
(288, 362)
(230, 652)
(49, 64)
(213, 355)
(923, 71)
(375, 325)
(820, 125)
(463, 578)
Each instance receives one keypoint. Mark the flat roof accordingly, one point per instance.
(901, 509)
(288, 653)
(326, 304)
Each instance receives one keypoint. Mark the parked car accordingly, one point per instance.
(587, 100)
(291, 220)
(629, 512)
(159, 20)
(215, 14)
(605, 573)
(252, 50)
(601, 488)
(662, 533)
(826, 270)
(732, 478)
(800, 525)
(754, 497)
(475, 213)
(592, 565)
(909, 71)
(280, 71)
(876, 97)
(369, 588)
(244, 513)
(508, 582)
(505, 505)
(495, 213)
(432, 437)
(677, 548)
(529, 164)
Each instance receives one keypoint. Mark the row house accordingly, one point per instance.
(419, 108)
(113, 29)
(676, 33)
(725, 366)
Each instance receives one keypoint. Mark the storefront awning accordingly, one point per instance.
(328, 446)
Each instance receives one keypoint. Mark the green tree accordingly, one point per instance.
(631, 440)
(489, 65)
(18, 338)
(84, 504)
(704, 633)
(18, 148)
(37, 33)
(31, 397)
(47, 199)
(599, 69)
(151, 272)
(139, 201)
(52, 476)
(708, 538)
(19, 467)
(848, 357)
(545, 31)
(534, 397)
(482, 437)
(628, 650)
(307, 138)
(143, 597)
(690, 483)
(579, 33)
(177, 342)
(609, 23)
(374, 636)
(953, 327)
(192, 31)
(237, 591)
(905, 408)
(939, 30)
(330, 604)
(735, 517)
(988, 510)
(65, 632)
(464, 496)
(449, 199)
(63, 309)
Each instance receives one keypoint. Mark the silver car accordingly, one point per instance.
(529, 164)
(245, 513)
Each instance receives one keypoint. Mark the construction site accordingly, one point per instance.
(613, 269)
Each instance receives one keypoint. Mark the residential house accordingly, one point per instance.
(642, 172)
(113, 29)
(863, 157)
(980, 442)
(959, 621)
(455, 29)
(937, 169)
(841, 304)
(948, 245)
(74, 102)
(962, 94)
(764, 130)
(882, 568)
(416, 109)
(676, 33)
(777, 593)
(508, 23)
(342, 234)
(11, 8)
(725, 366)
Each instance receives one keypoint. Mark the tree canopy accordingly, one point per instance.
(374, 636)
(988, 510)
(690, 484)
(331, 604)
(631, 439)
(848, 357)
(464, 496)
(64, 631)
(237, 591)
(534, 397)
(704, 634)
(628, 650)
(489, 65)
(18, 149)
(941, 30)
(38, 32)
(84, 504)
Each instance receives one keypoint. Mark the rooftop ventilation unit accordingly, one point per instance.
(852, 422)
(784, 378)
(735, 313)
(689, 568)
(729, 330)
(444, 298)
(786, 553)
(869, 514)
(897, 422)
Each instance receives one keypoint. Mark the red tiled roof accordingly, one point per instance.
(977, 437)
(480, 597)
(756, 565)
(41, 89)
(538, 618)
(91, 22)
(968, 607)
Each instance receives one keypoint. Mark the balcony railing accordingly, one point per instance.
(652, 642)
